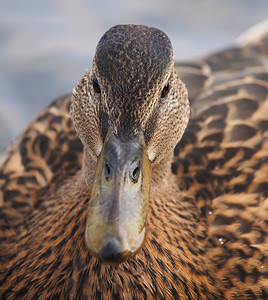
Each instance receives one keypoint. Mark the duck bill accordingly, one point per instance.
(118, 206)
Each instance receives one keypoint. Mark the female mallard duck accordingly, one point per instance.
(84, 226)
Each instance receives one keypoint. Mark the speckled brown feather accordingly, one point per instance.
(207, 227)
(222, 159)
(43, 154)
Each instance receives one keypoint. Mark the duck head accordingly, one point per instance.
(129, 110)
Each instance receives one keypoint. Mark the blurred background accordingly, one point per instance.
(45, 46)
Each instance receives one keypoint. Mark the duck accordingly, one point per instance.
(121, 191)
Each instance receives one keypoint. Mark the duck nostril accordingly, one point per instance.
(107, 172)
(134, 175)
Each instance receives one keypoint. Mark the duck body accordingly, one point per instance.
(206, 232)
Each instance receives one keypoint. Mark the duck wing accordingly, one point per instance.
(44, 154)
(222, 160)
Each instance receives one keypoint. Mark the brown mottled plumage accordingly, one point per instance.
(207, 223)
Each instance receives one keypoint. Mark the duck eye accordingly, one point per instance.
(96, 86)
(165, 90)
